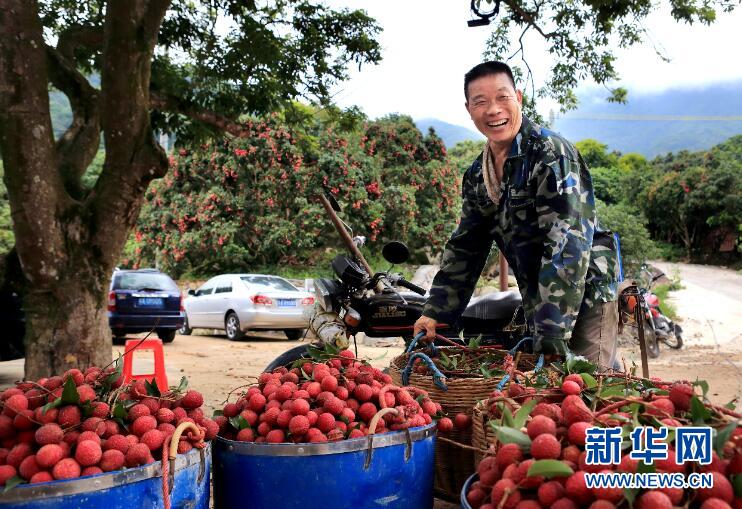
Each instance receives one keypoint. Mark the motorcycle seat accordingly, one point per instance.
(493, 306)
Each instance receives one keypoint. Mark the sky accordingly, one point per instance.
(427, 47)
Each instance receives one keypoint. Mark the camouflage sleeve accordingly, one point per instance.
(463, 259)
(566, 217)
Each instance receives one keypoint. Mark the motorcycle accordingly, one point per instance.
(384, 304)
(657, 326)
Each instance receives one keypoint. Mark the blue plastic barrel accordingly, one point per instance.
(471, 480)
(133, 488)
(390, 470)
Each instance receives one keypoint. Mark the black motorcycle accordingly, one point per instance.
(384, 304)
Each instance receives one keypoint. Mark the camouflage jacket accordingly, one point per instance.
(545, 224)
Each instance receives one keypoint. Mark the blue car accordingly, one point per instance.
(143, 300)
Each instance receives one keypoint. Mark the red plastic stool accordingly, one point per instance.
(159, 375)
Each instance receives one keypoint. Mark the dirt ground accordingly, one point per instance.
(710, 307)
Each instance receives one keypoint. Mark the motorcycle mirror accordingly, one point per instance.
(395, 252)
(333, 202)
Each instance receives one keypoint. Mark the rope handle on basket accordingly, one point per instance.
(519, 343)
(438, 377)
(170, 453)
(372, 429)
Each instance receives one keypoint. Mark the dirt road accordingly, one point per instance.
(709, 308)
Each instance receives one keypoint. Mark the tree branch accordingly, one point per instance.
(27, 145)
(133, 157)
(77, 147)
(89, 37)
(173, 104)
(529, 18)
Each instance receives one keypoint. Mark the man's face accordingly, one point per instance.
(495, 107)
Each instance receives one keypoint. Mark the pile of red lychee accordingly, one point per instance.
(556, 430)
(85, 423)
(320, 402)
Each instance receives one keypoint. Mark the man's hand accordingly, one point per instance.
(426, 324)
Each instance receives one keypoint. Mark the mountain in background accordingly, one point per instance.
(451, 134)
(654, 124)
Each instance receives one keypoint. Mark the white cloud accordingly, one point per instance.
(427, 48)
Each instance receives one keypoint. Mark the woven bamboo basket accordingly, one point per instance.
(454, 464)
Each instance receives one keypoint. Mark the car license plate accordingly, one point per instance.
(151, 302)
(286, 303)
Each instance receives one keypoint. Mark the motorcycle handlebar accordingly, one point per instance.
(410, 286)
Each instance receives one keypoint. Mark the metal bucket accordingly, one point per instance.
(391, 470)
(133, 488)
(471, 480)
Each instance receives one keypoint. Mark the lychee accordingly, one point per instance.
(67, 468)
(575, 410)
(88, 453)
(49, 434)
(541, 424)
(577, 433)
(508, 454)
(143, 424)
(138, 454)
(505, 494)
(112, 459)
(550, 492)
(576, 488)
(192, 399)
(545, 446)
(153, 439)
(721, 488)
(680, 395)
(571, 388)
(7, 472)
(445, 425)
(653, 500)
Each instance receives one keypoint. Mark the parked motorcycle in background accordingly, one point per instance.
(657, 326)
(382, 303)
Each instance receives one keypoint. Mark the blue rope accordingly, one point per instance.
(519, 343)
(502, 383)
(414, 341)
(540, 363)
(438, 377)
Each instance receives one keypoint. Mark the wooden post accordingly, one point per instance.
(503, 273)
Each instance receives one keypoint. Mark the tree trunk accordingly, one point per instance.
(68, 244)
(67, 328)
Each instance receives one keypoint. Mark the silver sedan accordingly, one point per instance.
(237, 303)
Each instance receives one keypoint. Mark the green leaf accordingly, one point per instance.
(590, 382)
(217, 413)
(119, 411)
(703, 384)
(722, 436)
(698, 411)
(183, 385)
(69, 393)
(731, 405)
(54, 404)
(117, 373)
(737, 483)
(13, 482)
(474, 342)
(507, 416)
(239, 422)
(522, 414)
(549, 469)
(508, 435)
(152, 389)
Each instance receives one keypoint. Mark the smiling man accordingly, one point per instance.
(531, 193)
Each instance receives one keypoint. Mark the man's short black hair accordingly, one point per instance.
(486, 69)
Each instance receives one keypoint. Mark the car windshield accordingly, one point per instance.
(269, 283)
(144, 281)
